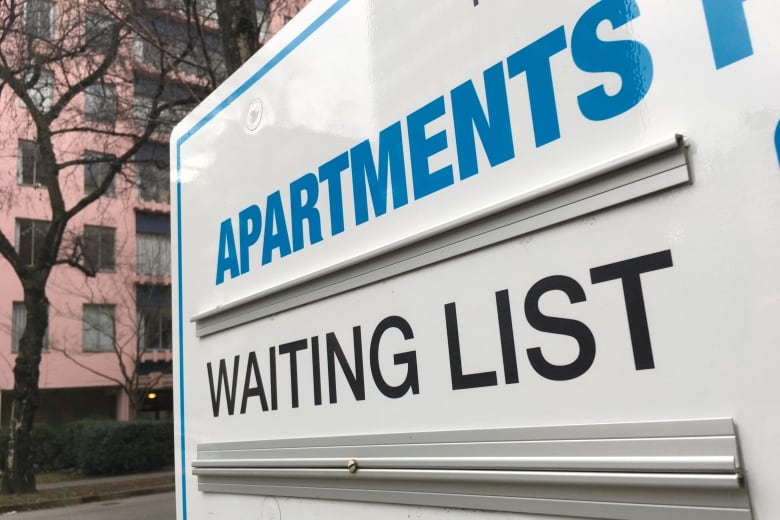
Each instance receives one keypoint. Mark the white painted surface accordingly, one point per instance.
(712, 316)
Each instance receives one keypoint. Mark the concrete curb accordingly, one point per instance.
(85, 499)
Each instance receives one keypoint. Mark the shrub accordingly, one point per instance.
(100, 447)
(47, 447)
(69, 435)
(107, 447)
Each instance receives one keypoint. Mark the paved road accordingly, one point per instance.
(161, 506)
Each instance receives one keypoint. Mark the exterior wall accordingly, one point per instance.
(65, 364)
(75, 383)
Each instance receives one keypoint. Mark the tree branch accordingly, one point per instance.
(9, 252)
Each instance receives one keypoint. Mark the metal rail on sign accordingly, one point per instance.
(686, 470)
(625, 178)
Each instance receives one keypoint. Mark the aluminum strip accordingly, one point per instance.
(700, 429)
(673, 469)
(711, 464)
(553, 478)
(628, 177)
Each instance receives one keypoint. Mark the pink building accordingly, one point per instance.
(113, 329)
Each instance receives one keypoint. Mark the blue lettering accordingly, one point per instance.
(365, 174)
(249, 222)
(729, 33)
(421, 147)
(468, 115)
(534, 60)
(627, 58)
(227, 259)
(301, 210)
(275, 230)
(379, 171)
(777, 142)
(330, 173)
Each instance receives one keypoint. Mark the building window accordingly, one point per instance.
(27, 163)
(18, 323)
(96, 168)
(38, 18)
(98, 328)
(99, 248)
(175, 101)
(152, 172)
(195, 62)
(154, 317)
(30, 235)
(100, 103)
(146, 52)
(97, 32)
(40, 88)
(171, 40)
(153, 243)
(165, 120)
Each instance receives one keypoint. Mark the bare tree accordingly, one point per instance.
(65, 80)
(240, 30)
(245, 24)
(111, 75)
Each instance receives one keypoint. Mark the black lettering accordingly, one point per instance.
(507, 336)
(230, 391)
(315, 366)
(355, 379)
(292, 349)
(459, 379)
(629, 271)
(576, 329)
(272, 365)
(409, 359)
(253, 370)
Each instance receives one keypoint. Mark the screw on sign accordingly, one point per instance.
(254, 115)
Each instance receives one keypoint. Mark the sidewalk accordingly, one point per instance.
(93, 489)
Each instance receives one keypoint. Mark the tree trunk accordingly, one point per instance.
(238, 27)
(19, 475)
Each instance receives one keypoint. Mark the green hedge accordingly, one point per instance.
(101, 447)
(106, 447)
(47, 448)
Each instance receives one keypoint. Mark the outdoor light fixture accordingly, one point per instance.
(151, 395)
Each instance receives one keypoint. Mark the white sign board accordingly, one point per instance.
(457, 216)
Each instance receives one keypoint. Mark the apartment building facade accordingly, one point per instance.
(107, 351)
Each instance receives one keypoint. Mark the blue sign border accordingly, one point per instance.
(254, 78)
